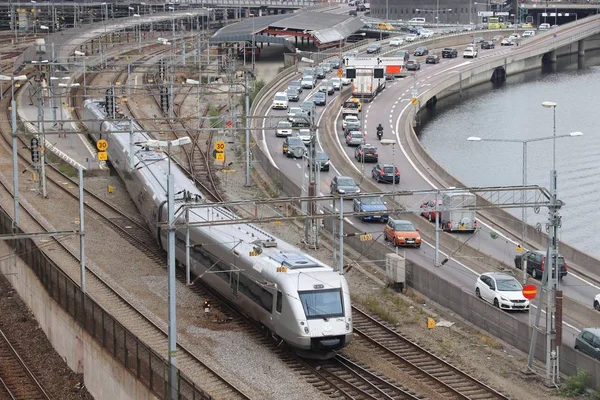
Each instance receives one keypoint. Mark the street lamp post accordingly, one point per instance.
(82, 55)
(253, 43)
(13, 112)
(524, 176)
(172, 331)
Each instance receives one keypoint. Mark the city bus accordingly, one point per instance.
(496, 23)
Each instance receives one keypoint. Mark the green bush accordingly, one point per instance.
(575, 385)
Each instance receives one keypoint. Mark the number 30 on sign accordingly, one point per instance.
(220, 146)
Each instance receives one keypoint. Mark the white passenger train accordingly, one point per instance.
(299, 299)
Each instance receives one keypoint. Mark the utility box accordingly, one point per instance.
(40, 46)
(395, 269)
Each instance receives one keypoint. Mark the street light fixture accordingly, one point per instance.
(524, 143)
(172, 330)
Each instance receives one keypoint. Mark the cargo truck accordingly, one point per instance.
(366, 86)
(456, 217)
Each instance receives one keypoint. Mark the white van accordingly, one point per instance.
(417, 21)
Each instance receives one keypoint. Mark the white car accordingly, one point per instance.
(396, 41)
(284, 129)
(304, 134)
(597, 302)
(280, 101)
(349, 118)
(501, 290)
(411, 38)
(470, 52)
(506, 42)
(336, 83)
(426, 33)
(527, 34)
(514, 36)
(543, 26)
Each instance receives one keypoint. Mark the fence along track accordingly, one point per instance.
(151, 334)
(441, 376)
(132, 230)
(16, 379)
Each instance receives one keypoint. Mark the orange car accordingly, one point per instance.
(402, 233)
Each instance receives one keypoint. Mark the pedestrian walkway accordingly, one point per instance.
(62, 139)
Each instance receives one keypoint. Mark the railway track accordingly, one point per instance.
(122, 309)
(439, 375)
(17, 381)
(350, 380)
(198, 159)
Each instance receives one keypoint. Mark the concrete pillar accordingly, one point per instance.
(552, 56)
(581, 48)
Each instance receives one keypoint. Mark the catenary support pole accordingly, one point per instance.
(131, 153)
(81, 230)
(436, 260)
(341, 233)
(13, 110)
(171, 267)
(187, 247)
(247, 90)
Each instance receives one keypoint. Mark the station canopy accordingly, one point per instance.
(325, 29)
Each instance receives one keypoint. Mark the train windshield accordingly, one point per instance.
(322, 303)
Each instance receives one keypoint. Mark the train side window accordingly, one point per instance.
(279, 301)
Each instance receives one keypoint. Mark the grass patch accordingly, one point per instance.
(373, 304)
(575, 385)
(215, 118)
(490, 342)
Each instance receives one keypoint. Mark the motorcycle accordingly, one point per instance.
(379, 134)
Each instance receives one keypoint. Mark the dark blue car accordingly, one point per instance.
(371, 204)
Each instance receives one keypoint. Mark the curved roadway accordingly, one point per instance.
(388, 108)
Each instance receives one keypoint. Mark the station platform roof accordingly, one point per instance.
(324, 28)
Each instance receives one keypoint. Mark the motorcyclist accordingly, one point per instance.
(379, 131)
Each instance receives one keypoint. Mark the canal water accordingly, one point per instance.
(514, 111)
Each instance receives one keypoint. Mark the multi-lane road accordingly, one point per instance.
(387, 109)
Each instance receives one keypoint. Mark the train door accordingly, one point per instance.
(278, 308)
(234, 282)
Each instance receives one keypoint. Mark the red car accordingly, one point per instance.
(430, 215)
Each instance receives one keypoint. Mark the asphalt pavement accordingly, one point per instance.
(386, 109)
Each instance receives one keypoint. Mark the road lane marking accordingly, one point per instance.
(456, 66)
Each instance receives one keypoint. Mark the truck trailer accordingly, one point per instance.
(365, 85)
(458, 212)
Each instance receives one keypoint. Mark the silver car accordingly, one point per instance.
(309, 82)
(284, 129)
(354, 138)
(343, 185)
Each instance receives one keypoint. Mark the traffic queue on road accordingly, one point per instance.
(500, 289)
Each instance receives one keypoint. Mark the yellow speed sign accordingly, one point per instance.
(102, 156)
(102, 145)
(220, 146)
(220, 157)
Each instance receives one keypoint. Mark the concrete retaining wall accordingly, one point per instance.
(104, 377)
(481, 314)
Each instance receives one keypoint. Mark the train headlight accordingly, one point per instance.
(347, 326)
(306, 330)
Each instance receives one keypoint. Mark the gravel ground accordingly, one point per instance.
(238, 355)
(474, 351)
(21, 328)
